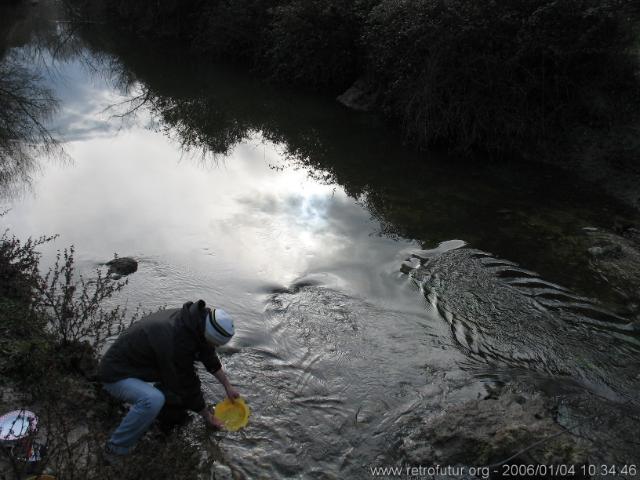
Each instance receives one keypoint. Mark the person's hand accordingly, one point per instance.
(232, 393)
(215, 423)
(211, 421)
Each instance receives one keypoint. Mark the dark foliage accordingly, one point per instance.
(500, 75)
(19, 275)
(167, 19)
(314, 43)
(233, 30)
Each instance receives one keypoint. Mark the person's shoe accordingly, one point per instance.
(112, 458)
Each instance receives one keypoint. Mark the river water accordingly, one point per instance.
(297, 217)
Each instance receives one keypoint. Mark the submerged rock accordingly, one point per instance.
(122, 266)
(359, 96)
(617, 259)
(481, 432)
(221, 472)
(410, 264)
(612, 251)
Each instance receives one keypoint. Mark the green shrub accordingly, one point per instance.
(502, 75)
(19, 274)
(314, 42)
(233, 30)
(74, 306)
(57, 320)
(167, 19)
(24, 346)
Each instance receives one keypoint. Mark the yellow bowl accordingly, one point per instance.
(234, 415)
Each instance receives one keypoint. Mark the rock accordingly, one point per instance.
(359, 96)
(222, 472)
(617, 258)
(611, 251)
(122, 266)
(481, 432)
(596, 251)
(409, 264)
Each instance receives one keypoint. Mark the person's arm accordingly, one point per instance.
(206, 413)
(222, 378)
(211, 362)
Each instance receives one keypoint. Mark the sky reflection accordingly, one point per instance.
(200, 225)
(89, 98)
(244, 220)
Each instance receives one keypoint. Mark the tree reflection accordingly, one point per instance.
(26, 104)
(24, 107)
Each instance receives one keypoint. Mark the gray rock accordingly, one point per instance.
(359, 96)
(635, 327)
(409, 265)
(122, 266)
(612, 251)
(222, 472)
(480, 432)
(596, 251)
(617, 258)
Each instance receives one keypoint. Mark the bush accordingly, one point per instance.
(168, 19)
(24, 346)
(502, 75)
(314, 42)
(55, 321)
(19, 274)
(233, 30)
(73, 306)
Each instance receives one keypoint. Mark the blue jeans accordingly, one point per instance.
(146, 402)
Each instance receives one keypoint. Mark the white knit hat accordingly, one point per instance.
(218, 327)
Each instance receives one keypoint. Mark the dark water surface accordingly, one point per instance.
(296, 216)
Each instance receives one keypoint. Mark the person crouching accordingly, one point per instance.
(162, 348)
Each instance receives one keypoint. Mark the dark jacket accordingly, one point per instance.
(163, 347)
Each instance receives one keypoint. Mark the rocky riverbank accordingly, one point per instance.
(569, 362)
(74, 420)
